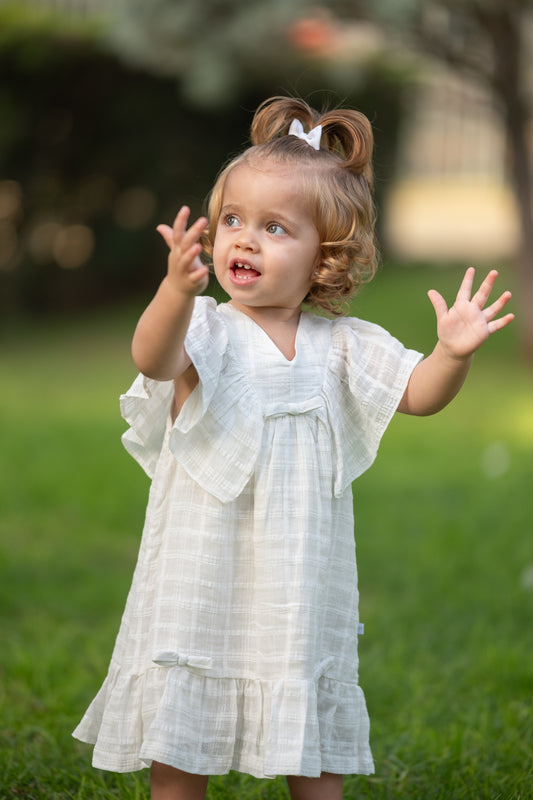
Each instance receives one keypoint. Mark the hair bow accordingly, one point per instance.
(312, 138)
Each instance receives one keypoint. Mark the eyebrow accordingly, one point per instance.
(229, 207)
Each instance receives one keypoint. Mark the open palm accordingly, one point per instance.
(464, 327)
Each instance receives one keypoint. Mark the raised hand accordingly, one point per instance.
(464, 327)
(186, 273)
(158, 345)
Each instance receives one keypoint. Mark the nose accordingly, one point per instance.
(246, 241)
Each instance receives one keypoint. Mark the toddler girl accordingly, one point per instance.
(238, 645)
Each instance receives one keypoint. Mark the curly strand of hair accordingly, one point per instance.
(345, 266)
(348, 133)
(332, 301)
(333, 292)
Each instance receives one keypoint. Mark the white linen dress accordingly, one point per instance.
(238, 644)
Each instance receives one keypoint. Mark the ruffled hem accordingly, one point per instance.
(210, 726)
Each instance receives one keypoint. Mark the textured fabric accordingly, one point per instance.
(238, 644)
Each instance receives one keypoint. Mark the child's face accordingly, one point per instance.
(266, 244)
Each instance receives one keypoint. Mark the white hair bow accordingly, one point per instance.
(312, 138)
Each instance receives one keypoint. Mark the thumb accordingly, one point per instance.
(166, 232)
(438, 302)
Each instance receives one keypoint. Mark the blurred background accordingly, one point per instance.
(113, 113)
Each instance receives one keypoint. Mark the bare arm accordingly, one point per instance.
(158, 342)
(462, 329)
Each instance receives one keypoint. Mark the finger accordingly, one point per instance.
(195, 231)
(438, 302)
(182, 219)
(178, 228)
(483, 293)
(180, 223)
(191, 255)
(184, 239)
(465, 289)
(166, 232)
(199, 274)
(494, 309)
(498, 324)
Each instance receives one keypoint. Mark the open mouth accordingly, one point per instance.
(243, 272)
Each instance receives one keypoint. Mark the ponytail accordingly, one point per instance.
(345, 133)
(349, 134)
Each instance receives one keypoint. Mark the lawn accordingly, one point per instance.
(445, 552)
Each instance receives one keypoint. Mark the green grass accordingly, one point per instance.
(445, 552)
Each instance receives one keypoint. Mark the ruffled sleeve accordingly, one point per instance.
(368, 371)
(146, 407)
(217, 434)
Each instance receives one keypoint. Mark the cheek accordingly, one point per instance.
(217, 259)
(217, 247)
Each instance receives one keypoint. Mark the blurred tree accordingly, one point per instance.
(222, 50)
(93, 152)
(216, 47)
(491, 42)
(226, 52)
(219, 48)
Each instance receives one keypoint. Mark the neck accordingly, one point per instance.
(267, 316)
(281, 325)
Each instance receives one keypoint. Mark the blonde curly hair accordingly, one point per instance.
(336, 185)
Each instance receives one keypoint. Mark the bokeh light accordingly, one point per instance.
(135, 207)
(8, 245)
(73, 246)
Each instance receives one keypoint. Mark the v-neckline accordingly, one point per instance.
(267, 337)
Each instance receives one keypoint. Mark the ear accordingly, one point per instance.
(317, 269)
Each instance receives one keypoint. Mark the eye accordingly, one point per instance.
(276, 229)
(231, 221)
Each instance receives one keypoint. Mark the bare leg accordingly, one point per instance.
(327, 787)
(168, 783)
